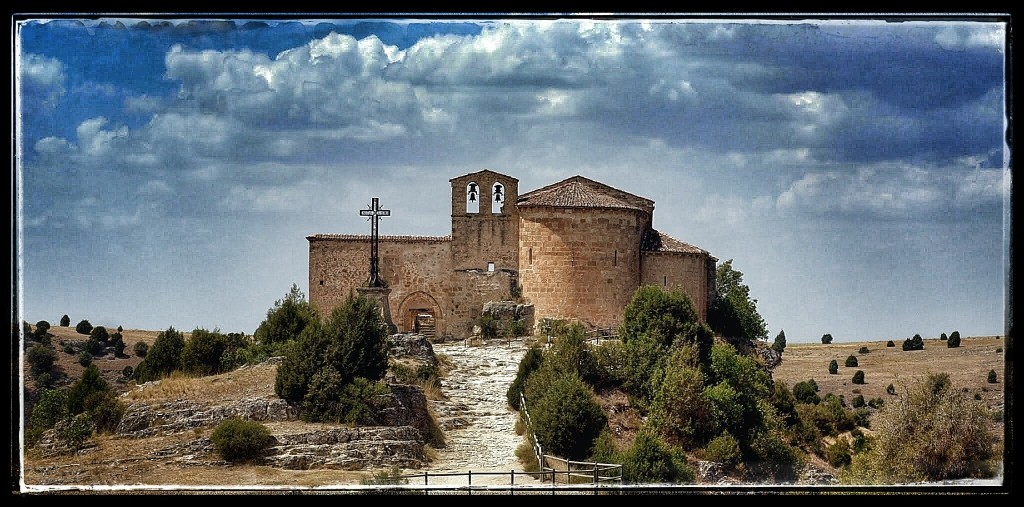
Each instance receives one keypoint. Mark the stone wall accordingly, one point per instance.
(580, 263)
(674, 270)
(487, 235)
(413, 267)
(470, 291)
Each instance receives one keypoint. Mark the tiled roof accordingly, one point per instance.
(580, 192)
(366, 237)
(657, 241)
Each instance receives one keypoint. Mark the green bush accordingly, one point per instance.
(140, 349)
(733, 313)
(100, 334)
(530, 362)
(935, 432)
(915, 343)
(91, 382)
(858, 378)
(73, 432)
(605, 450)
(488, 326)
(68, 348)
(890, 344)
(651, 461)
(127, 371)
(239, 440)
(163, 358)
(516, 328)
(833, 367)
(682, 410)
(724, 449)
(858, 401)
(747, 377)
(826, 338)
(610, 359)
(331, 400)
(651, 308)
(286, 319)
(571, 353)
(772, 457)
(41, 358)
(943, 337)
(117, 341)
(203, 352)
(992, 379)
(385, 478)
(83, 327)
(863, 350)
(779, 344)
(104, 409)
(890, 389)
(838, 454)
(876, 403)
(120, 329)
(851, 361)
(566, 417)
(860, 441)
(95, 347)
(52, 406)
(85, 358)
(41, 333)
(65, 321)
(785, 403)
(954, 340)
(806, 392)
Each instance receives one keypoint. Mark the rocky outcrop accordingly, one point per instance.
(410, 346)
(348, 449)
(814, 475)
(505, 312)
(406, 405)
(143, 420)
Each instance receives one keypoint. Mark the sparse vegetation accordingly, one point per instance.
(41, 358)
(876, 402)
(992, 377)
(83, 327)
(851, 361)
(65, 321)
(833, 367)
(863, 350)
(915, 343)
(890, 390)
(890, 343)
(239, 440)
(954, 340)
(779, 344)
(140, 349)
(826, 338)
(734, 313)
(806, 392)
(163, 358)
(858, 377)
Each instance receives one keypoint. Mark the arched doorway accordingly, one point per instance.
(420, 313)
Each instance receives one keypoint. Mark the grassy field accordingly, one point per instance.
(967, 366)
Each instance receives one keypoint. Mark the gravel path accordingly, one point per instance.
(478, 423)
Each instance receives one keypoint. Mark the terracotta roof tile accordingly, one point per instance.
(580, 192)
(658, 241)
(366, 237)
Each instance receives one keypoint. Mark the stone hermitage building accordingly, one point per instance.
(577, 250)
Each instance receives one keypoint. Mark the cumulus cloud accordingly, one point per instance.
(908, 192)
(42, 77)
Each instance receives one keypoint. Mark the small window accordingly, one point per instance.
(472, 197)
(321, 282)
(531, 255)
(664, 281)
(615, 259)
(490, 267)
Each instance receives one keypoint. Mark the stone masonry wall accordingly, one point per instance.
(470, 291)
(686, 271)
(580, 263)
(479, 238)
(410, 265)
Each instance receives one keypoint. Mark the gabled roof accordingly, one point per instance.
(657, 241)
(580, 192)
(485, 172)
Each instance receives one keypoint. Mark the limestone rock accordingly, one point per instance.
(406, 405)
(143, 420)
(348, 449)
(504, 312)
(411, 346)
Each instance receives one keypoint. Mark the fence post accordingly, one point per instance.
(595, 479)
(512, 482)
(470, 482)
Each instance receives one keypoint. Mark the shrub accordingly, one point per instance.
(163, 358)
(806, 392)
(858, 401)
(566, 418)
(954, 340)
(733, 313)
(42, 328)
(68, 348)
(41, 358)
(943, 337)
(851, 362)
(203, 352)
(826, 338)
(83, 327)
(118, 342)
(90, 382)
(73, 432)
(85, 358)
(605, 450)
(682, 410)
(860, 441)
(286, 319)
(773, 457)
(779, 344)
(653, 309)
(353, 342)
(838, 454)
(998, 350)
(863, 350)
(100, 334)
(385, 477)
(890, 389)
(833, 367)
(65, 321)
(890, 344)
(876, 403)
(488, 326)
(649, 460)
(120, 329)
(915, 343)
(105, 410)
(331, 400)
(52, 406)
(935, 432)
(724, 449)
(140, 349)
(992, 377)
(747, 377)
(858, 378)
(516, 328)
(530, 362)
(785, 403)
(239, 440)
(127, 371)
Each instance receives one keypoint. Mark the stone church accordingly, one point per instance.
(576, 249)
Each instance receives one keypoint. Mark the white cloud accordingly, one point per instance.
(94, 140)
(143, 104)
(44, 74)
(963, 36)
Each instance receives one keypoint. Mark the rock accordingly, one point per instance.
(348, 449)
(504, 312)
(814, 475)
(709, 471)
(414, 346)
(143, 420)
(406, 405)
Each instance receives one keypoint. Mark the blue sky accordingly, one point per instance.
(854, 170)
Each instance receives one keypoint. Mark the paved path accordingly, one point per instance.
(478, 423)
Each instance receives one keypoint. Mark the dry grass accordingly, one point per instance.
(245, 382)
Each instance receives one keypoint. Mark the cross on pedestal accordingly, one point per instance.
(374, 212)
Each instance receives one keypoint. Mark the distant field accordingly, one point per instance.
(967, 366)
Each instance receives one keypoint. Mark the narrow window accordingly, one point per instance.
(321, 282)
(498, 198)
(615, 259)
(665, 281)
(490, 266)
(531, 255)
(472, 198)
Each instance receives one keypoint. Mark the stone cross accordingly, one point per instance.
(374, 212)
